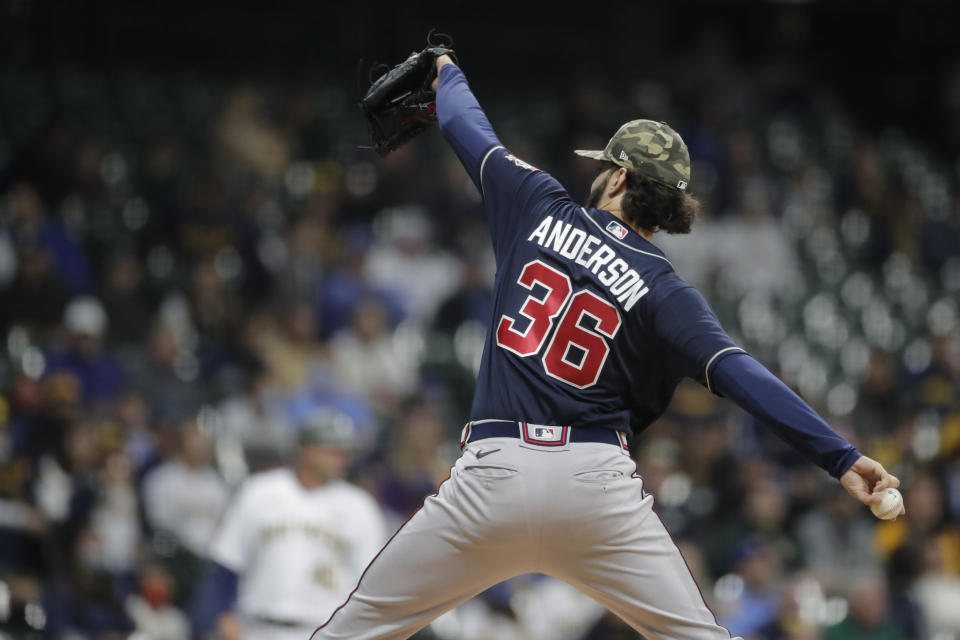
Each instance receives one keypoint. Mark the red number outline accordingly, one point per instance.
(529, 277)
(583, 303)
(552, 362)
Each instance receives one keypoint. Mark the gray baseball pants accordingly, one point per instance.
(576, 512)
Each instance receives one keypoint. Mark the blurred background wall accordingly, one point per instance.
(191, 242)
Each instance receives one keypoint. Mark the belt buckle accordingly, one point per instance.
(544, 435)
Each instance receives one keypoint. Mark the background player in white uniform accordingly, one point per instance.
(591, 333)
(295, 539)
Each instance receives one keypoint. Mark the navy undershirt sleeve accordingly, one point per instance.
(225, 584)
(758, 392)
(463, 122)
(215, 595)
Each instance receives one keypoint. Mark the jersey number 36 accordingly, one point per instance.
(575, 354)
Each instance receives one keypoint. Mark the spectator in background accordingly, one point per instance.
(127, 301)
(49, 415)
(344, 287)
(151, 608)
(409, 467)
(903, 567)
(257, 419)
(88, 497)
(246, 137)
(938, 386)
(871, 192)
(158, 182)
(102, 379)
(761, 517)
(925, 545)
(940, 238)
(183, 500)
(35, 296)
(833, 540)
(937, 591)
(65, 469)
(94, 602)
(131, 416)
(214, 306)
(927, 520)
(801, 602)
(206, 227)
(309, 243)
(294, 541)
(869, 617)
(879, 409)
(113, 534)
(165, 377)
(368, 361)
(21, 524)
(288, 346)
(404, 260)
(31, 227)
(753, 606)
(472, 301)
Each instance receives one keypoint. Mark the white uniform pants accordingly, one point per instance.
(576, 512)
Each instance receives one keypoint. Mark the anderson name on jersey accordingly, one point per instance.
(590, 252)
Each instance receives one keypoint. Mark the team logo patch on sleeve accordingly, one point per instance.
(617, 230)
(520, 163)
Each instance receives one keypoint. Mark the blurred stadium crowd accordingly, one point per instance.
(188, 266)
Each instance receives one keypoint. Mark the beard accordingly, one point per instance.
(596, 193)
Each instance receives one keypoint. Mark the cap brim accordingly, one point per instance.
(596, 155)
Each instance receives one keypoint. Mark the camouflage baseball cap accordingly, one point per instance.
(652, 148)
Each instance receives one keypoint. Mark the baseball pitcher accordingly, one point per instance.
(592, 331)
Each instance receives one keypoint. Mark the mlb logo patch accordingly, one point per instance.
(617, 229)
(547, 435)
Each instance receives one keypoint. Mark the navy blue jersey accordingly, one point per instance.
(591, 327)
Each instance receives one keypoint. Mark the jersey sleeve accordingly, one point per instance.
(758, 392)
(514, 193)
(231, 545)
(688, 329)
(463, 121)
(512, 189)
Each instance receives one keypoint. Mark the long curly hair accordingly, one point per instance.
(655, 206)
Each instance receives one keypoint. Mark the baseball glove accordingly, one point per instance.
(400, 104)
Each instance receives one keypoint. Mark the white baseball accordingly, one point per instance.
(889, 507)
